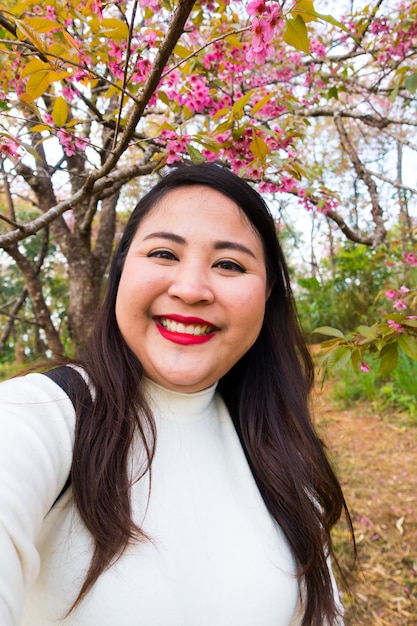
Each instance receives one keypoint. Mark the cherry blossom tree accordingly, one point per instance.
(99, 98)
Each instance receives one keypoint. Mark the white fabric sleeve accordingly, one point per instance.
(36, 440)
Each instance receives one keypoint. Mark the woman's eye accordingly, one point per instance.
(231, 266)
(162, 254)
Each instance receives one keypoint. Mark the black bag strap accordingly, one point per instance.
(78, 392)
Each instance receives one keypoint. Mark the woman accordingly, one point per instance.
(200, 494)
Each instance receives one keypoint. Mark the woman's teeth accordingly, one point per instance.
(187, 329)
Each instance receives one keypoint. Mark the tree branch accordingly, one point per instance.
(363, 174)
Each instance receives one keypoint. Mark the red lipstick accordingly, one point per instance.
(185, 339)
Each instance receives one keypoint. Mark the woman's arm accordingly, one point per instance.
(36, 440)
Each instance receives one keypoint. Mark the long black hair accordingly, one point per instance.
(266, 392)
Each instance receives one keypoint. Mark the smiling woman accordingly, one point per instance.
(199, 492)
(184, 287)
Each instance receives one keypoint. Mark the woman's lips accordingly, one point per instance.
(185, 330)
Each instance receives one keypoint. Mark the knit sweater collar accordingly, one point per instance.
(178, 406)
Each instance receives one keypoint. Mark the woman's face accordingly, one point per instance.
(192, 293)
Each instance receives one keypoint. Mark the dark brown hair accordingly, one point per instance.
(266, 392)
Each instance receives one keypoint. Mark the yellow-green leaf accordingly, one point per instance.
(60, 111)
(163, 97)
(305, 9)
(42, 25)
(234, 41)
(196, 156)
(240, 104)
(295, 34)
(338, 358)
(39, 82)
(261, 103)
(328, 330)
(408, 344)
(29, 103)
(38, 128)
(24, 31)
(36, 65)
(114, 28)
(368, 331)
(258, 147)
(389, 359)
(181, 52)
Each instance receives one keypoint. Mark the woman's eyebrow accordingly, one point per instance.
(165, 235)
(218, 245)
(233, 245)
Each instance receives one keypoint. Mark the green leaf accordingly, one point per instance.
(114, 29)
(239, 105)
(305, 9)
(258, 147)
(38, 128)
(42, 25)
(333, 93)
(368, 331)
(295, 34)
(328, 330)
(195, 155)
(163, 97)
(408, 344)
(356, 358)
(411, 83)
(182, 52)
(410, 322)
(60, 111)
(309, 283)
(338, 358)
(261, 103)
(388, 359)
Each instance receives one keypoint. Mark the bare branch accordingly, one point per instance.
(115, 178)
(350, 234)
(364, 175)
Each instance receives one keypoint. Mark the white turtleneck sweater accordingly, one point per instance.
(216, 557)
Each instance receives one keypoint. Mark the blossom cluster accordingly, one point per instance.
(266, 20)
(398, 297)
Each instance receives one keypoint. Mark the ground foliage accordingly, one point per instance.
(375, 456)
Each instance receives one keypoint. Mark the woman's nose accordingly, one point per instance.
(191, 284)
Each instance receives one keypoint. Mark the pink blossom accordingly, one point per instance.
(395, 326)
(256, 7)
(262, 32)
(68, 93)
(287, 184)
(391, 294)
(114, 50)
(260, 53)
(404, 289)
(209, 155)
(152, 4)
(50, 13)
(150, 38)
(70, 143)
(97, 8)
(364, 368)
(410, 258)
(400, 304)
(317, 48)
(142, 68)
(10, 148)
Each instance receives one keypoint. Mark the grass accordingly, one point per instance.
(395, 395)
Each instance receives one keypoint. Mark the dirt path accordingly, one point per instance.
(377, 461)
